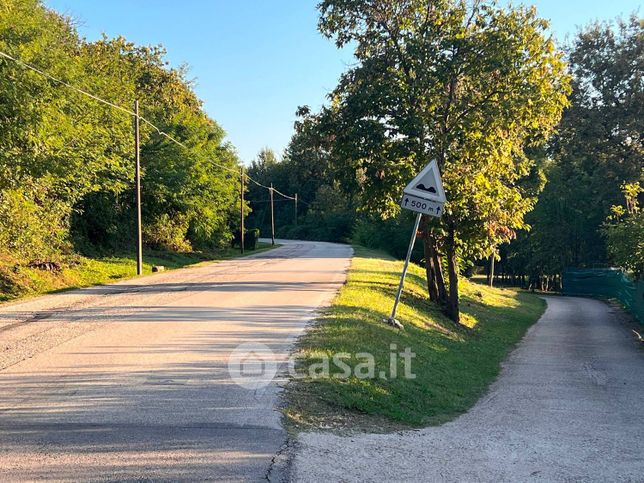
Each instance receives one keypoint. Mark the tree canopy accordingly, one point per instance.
(473, 86)
(597, 151)
(67, 161)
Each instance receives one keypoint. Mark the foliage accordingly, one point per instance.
(329, 217)
(251, 238)
(33, 224)
(324, 212)
(167, 234)
(470, 85)
(271, 170)
(624, 231)
(390, 235)
(597, 150)
(453, 365)
(626, 243)
(68, 160)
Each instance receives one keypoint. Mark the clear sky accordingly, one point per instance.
(255, 61)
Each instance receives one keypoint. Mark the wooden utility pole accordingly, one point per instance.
(241, 208)
(137, 158)
(295, 209)
(272, 218)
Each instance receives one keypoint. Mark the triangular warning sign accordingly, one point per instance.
(427, 184)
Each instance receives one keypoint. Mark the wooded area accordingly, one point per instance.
(539, 145)
(67, 161)
(482, 90)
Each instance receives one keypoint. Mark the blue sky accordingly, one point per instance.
(255, 61)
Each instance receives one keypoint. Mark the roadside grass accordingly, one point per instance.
(453, 365)
(19, 281)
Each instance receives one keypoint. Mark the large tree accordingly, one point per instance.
(469, 84)
(67, 159)
(598, 147)
(597, 150)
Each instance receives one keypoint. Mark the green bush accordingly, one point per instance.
(391, 235)
(33, 223)
(625, 240)
(331, 227)
(167, 234)
(80, 151)
(251, 237)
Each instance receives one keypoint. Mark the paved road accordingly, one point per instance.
(567, 407)
(129, 381)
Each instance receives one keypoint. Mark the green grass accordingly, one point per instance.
(20, 281)
(453, 365)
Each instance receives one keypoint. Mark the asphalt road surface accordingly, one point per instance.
(567, 407)
(130, 381)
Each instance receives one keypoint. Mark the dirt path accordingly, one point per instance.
(567, 407)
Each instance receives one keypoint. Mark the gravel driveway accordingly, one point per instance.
(568, 406)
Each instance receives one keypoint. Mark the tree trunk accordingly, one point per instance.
(433, 267)
(452, 264)
(430, 270)
(442, 290)
(490, 271)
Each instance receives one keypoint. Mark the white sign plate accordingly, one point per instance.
(422, 205)
(427, 185)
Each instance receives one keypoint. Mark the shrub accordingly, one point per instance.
(625, 240)
(33, 223)
(391, 235)
(167, 234)
(251, 238)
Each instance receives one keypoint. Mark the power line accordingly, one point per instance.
(285, 196)
(50, 77)
(107, 103)
(132, 113)
(266, 201)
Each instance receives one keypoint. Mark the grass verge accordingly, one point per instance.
(19, 281)
(453, 365)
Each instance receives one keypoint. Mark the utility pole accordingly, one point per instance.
(241, 207)
(137, 158)
(272, 218)
(295, 209)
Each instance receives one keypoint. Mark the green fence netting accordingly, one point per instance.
(607, 283)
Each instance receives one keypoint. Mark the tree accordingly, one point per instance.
(600, 143)
(471, 86)
(270, 169)
(307, 155)
(66, 160)
(597, 149)
(624, 231)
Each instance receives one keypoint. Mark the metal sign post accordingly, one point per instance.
(392, 320)
(423, 195)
